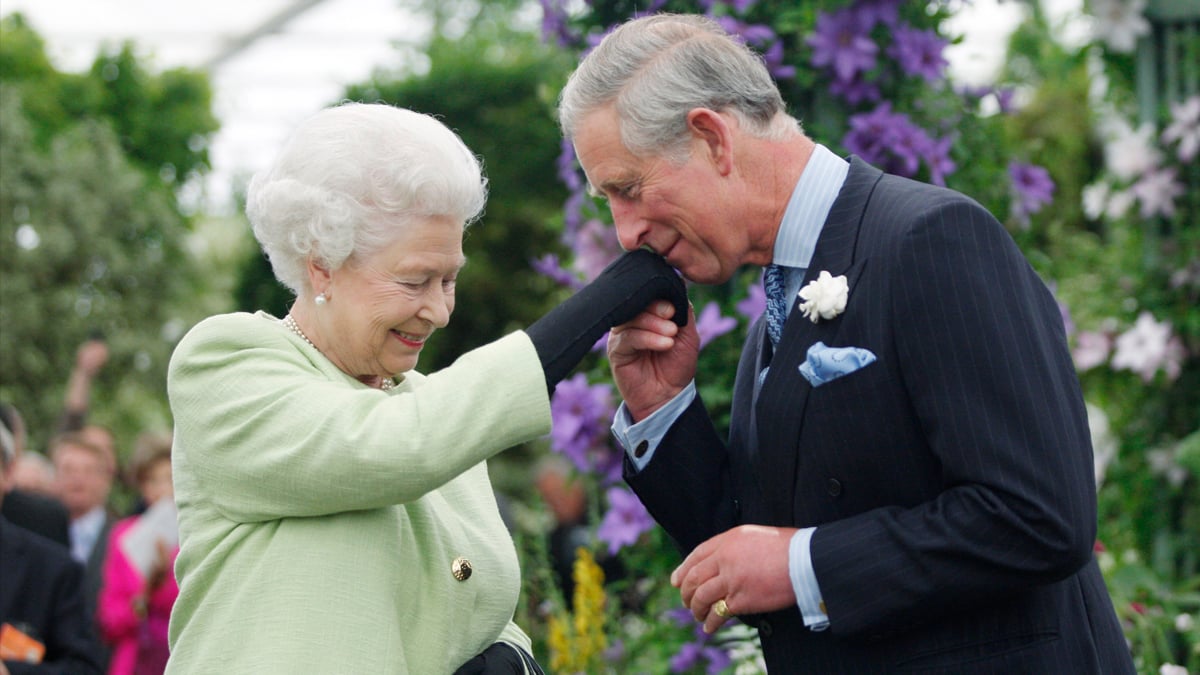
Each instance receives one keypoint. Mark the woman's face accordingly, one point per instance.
(156, 481)
(381, 309)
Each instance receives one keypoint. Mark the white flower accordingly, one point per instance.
(1184, 622)
(1095, 200)
(1163, 462)
(1144, 348)
(1104, 445)
(1119, 204)
(1172, 669)
(1157, 191)
(1130, 153)
(825, 296)
(1120, 23)
(1185, 128)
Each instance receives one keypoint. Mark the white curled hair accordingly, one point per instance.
(350, 178)
(658, 68)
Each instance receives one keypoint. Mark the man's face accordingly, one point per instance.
(83, 478)
(679, 211)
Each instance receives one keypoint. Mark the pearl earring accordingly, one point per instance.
(321, 299)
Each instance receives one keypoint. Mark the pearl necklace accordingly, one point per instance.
(385, 383)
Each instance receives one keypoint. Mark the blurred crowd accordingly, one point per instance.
(86, 587)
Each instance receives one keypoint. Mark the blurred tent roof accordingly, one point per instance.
(273, 62)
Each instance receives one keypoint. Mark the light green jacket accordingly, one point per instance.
(319, 518)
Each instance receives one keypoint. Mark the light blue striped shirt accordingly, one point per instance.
(805, 215)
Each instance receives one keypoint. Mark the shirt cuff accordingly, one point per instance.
(804, 580)
(640, 440)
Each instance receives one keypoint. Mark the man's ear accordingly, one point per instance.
(713, 131)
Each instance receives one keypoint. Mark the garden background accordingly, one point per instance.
(1086, 148)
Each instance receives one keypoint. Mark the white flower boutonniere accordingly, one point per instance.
(825, 296)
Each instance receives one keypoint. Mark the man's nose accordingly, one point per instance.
(631, 230)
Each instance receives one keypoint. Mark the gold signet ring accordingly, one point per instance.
(721, 609)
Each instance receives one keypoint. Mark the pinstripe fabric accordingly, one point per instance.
(950, 481)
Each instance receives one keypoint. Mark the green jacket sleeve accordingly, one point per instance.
(267, 428)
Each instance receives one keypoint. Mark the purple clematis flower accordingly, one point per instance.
(625, 520)
(549, 266)
(1032, 189)
(711, 324)
(1005, 99)
(582, 414)
(855, 91)
(773, 57)
(842, 44)
(691, 654)
(763, 39)
(754, 304)
(739, 6)
(872, 12)
(938, 158)
(554, 23)
(919, 52)
(565, 165)
(887, 139)
(596, 245)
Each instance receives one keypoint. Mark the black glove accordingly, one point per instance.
(626, 287)
(500, 659)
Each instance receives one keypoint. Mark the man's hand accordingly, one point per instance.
(652, 358)
(746, 566)
(91, 357)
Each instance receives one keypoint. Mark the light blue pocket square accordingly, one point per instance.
(829, 363)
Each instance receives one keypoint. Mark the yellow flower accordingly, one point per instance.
(577, 650)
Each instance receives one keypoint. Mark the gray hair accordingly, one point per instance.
(8, 451)
(657, 68)
(350, 178)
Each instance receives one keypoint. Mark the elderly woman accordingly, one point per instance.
(335, 510)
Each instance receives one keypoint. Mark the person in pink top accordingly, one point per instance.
(134, 607)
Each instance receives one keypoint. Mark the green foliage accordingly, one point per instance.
(93, 238)
(162, 121)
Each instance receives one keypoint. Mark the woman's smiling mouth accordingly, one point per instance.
(411, 340)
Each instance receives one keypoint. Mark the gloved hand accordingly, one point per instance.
(501, 659)
(622, 291)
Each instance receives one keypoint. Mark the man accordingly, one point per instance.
(38, 513)
(84, 481)
(907, 483)
(44, 626)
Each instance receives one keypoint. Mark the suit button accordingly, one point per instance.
(461, 568)
(640, 450)
(834, 487)
(765, 629)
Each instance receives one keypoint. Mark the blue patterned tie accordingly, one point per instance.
(775, 285)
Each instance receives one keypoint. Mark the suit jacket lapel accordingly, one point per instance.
(779, 409)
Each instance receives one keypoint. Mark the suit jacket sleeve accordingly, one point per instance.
(686, 487)
(71, 647)
(985, 366)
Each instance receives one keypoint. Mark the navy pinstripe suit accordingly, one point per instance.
(951, 481)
